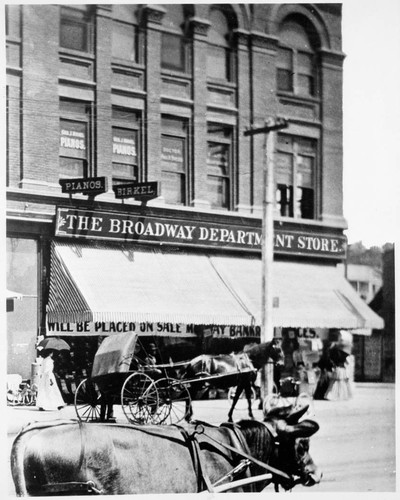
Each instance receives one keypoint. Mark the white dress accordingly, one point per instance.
(48, 394)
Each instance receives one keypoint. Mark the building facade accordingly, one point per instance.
(132, 94)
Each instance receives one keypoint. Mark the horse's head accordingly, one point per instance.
(260, 354)
(276, 352)
(292, 446)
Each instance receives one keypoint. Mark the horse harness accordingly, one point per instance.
(203, 481)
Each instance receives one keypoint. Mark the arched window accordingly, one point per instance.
(220, 57)
(297, 63)
(175, 49)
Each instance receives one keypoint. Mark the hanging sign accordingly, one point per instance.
(88, 185)
(137, 190)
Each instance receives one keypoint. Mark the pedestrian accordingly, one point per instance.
(48, 394)
(340, 385)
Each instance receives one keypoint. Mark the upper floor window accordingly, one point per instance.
(295, 176)
(297, 60)
(126, 38)
(219, 165)
(220, 55)
(174, 160)
(75, 139)
(175, 47)
(126, 157)
(76, 29)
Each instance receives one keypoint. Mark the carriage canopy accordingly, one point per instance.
(114, 354)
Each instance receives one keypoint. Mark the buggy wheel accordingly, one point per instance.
(174, 401)
(139, 398)
(87, 401)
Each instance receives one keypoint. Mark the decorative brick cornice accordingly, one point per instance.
(154, 14)
(199, 26)
(241, 37)
(331, 57)
(263, 41)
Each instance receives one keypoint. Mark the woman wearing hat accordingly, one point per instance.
(340, 384)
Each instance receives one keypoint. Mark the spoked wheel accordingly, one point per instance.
(139, 399)
(87, 401)
(174, 401)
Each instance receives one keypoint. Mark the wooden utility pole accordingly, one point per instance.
(267, 242)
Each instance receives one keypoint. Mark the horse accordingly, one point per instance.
(121, 459)
(230, 370)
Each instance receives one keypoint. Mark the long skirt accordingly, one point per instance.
(339, 387)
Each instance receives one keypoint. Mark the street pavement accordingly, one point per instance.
(355, 446)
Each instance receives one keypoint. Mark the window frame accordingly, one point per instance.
(87, 120)
(78, 17)
(295, 152)
(135, 126)
(137, 39)
(229, 177)
(184, 136)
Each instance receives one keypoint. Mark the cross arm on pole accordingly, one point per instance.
(270, 124)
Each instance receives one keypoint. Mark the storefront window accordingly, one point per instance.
(22, 318)
(174, 153)
(74, 139)
(295, 177)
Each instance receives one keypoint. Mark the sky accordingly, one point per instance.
(371, 126)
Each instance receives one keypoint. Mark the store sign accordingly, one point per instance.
(89, 185)
(101, 328)
(89, 328)
(138, 190)
(90, 224)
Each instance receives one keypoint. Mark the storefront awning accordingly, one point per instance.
(105, 284)
(305, 295)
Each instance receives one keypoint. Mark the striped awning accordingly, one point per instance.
(103, 284)
(305, 295)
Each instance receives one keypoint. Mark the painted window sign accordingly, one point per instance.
(124, 144)
(172, 152)
(73, 138)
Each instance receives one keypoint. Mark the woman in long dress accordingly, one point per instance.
(48, 394)
(340, 386)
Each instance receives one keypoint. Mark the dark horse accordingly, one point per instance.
(228, 370)
(72, 458)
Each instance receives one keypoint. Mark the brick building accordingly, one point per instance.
(164, 93)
